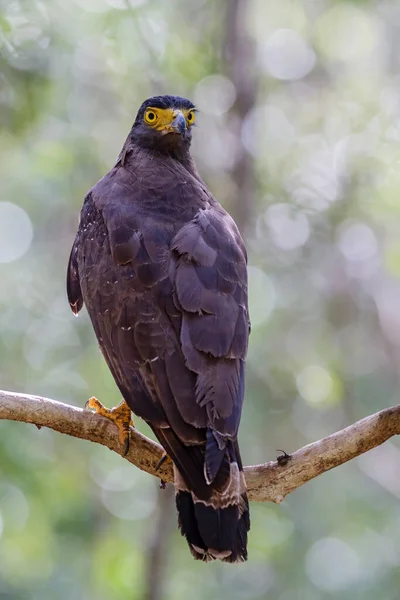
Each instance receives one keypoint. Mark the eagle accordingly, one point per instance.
(162, 270)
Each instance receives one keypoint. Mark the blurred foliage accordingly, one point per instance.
(323, 237)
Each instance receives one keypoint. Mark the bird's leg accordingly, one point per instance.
(121, 415)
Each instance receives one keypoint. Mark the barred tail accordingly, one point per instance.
(215, 528)
(211, 498)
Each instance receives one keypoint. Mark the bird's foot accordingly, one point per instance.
(121, 415)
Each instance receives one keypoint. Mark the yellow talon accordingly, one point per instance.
(121, 415)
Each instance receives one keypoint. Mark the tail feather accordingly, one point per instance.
(213, 517)
(215, 528)
(211, 532)
(188, 523)
(220, 531)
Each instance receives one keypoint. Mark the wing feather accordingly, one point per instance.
(210, 285)
(74, 291)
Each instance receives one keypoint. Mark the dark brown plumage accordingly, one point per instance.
(161, 268)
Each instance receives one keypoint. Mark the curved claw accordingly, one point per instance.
(162, 460)
(121, 415)
(125, 441)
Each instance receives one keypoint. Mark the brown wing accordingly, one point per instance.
(167, 297)
(208, 269)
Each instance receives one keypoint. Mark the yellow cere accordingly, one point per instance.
(161, 118)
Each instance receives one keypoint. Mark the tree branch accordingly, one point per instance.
(269, 482)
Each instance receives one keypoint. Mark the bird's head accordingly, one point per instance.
(164, 124)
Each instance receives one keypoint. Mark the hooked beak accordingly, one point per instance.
(178, 125)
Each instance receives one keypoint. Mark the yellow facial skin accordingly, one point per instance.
(161, 119)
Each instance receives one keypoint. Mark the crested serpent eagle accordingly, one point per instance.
(161, 269)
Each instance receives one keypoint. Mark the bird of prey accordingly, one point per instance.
(161, 269)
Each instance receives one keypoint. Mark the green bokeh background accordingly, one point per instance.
(298, 136)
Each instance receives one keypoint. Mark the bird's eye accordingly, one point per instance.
(150, 117)
(190, 118)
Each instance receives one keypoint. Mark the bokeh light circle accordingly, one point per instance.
(214, 95)
(286, 55)
(289, 228)
(357, 241)
(16, 232)
(262, 296)
(315, 384)
(332, 565)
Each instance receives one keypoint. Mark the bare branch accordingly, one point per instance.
(269, 482)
